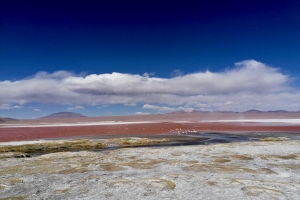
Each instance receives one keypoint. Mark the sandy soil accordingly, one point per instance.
(253, 170)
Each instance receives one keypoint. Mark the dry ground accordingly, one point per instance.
(252, 170)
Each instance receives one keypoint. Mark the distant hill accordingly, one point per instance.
(64, 115)
(226, 112)
(252, 111)
(270, 111)
(7, 119)
(278, 111)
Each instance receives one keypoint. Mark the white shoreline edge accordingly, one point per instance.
(288, 121)
(285, 121)
(72, 124)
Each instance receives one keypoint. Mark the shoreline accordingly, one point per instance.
(113, 142)
(278, 122)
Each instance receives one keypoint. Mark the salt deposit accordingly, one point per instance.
(254, 170)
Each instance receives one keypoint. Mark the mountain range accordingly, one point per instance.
(248, 111)
(7, 119)
(78, 115)
(64, 115)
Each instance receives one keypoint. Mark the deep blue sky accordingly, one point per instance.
(146, 36)
(141, 36)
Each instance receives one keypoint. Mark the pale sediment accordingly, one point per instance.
(252, 170)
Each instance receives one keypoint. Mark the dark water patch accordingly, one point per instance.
(215, 138)
(199, 138)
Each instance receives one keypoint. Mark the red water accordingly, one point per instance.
(18, 134)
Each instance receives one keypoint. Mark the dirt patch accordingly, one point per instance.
(54, 146)
(222, 168)
(144, 164)
(257, 190)
(274, 139)
(284, 157)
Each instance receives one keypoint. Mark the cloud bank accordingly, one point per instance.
(250, 84)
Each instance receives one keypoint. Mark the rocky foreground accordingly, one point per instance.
(252, 170)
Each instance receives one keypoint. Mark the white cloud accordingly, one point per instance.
(75, 108)
(37, 110)
(142, 113)
(159, 108)
(176, 72)
(186, 109)
(146, 74)
(165, 109)
(129, 104)
(7, 106)
(250, 84)
(79, 107)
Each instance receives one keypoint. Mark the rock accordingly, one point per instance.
(23, 156)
